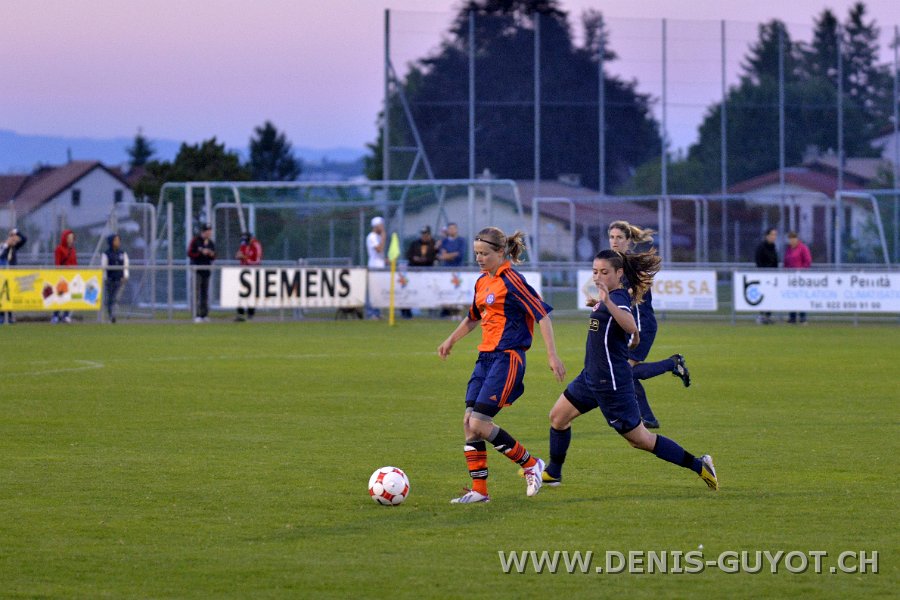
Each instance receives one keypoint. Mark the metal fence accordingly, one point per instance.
(174, 299)
(685, 68)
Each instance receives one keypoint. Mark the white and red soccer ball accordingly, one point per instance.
(389, 486)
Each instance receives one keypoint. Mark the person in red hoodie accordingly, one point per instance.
(796, 256)
(250, 254)
(65, 256)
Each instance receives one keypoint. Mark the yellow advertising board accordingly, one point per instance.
(50, 289)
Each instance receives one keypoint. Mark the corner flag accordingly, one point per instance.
(393, 255)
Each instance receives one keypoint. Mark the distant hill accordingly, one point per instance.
(20, 153)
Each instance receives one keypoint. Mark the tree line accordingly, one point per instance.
(436, 90)
(271, 158)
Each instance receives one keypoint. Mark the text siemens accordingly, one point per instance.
(294, 283)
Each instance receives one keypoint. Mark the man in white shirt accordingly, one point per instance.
(375, 242)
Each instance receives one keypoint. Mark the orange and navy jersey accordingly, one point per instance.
(507, 308)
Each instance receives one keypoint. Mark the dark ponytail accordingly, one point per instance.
(638, 269)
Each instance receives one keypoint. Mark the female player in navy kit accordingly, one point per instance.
(507, 308)
(623, 237)
(606, 380)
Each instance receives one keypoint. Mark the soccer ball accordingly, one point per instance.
(389, 486)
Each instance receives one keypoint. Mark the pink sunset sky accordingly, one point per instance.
(191, 69)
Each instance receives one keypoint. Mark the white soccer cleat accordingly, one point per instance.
(471, 497)
(533, 477)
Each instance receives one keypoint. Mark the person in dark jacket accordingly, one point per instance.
(421, 253)
(115, 262)
(9, 257)
(202, 251)
(767, 258)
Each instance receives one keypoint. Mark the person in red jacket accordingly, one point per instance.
(796, 256)
(65, 256)
(250, 254)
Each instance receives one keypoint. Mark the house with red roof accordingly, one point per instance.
(78, 195)
(808, 198)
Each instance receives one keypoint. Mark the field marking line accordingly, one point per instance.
(94, 364)
(88, 365)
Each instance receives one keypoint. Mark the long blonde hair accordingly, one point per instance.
(633, 233)
(512, 246)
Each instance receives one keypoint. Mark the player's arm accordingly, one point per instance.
(622, 316)
(462, 330)
(635, 340)
(556, 363)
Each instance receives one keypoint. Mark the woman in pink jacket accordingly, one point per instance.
(796, 256)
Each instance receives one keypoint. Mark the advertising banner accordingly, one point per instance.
(279, 287)
(675, 290)
(50, 289)
(767, 290)
(431, 289)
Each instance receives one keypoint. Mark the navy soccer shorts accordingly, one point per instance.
(496, 381)
(619, 407)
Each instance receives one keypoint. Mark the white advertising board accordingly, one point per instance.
(280, 287)
(676, 290)
(430, 289)
(767, 290)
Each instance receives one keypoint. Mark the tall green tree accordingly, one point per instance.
(437, 89)
(810, 94)
(272, 156)
(820, 57)
(868, 84)
(206, 161)
(140, 151)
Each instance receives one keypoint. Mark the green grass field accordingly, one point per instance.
(231, 460)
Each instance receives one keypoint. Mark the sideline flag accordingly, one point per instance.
(393, 255)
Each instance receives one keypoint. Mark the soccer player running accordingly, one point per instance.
(507, 307)
(623, 237)
(606, 380)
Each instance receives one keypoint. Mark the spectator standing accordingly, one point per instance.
(115, 263)
(452, 247)
(767, 258)
(250, 254)
(65, 256)
(797, 256)
(375, 246)
(202, 252)
(421, 253)
(9, 257)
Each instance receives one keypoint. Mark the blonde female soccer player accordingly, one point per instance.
(606, 380)
(507, 308)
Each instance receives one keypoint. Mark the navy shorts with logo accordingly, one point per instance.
(619, 407)
(496, 381)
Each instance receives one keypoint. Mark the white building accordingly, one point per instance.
(571, 221)
(79, 195)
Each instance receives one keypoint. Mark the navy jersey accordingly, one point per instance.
(643, 313)
(606, 356)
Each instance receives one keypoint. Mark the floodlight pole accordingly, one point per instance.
(601, 114)
(537, 113)
(723, 127)
(386, 120)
